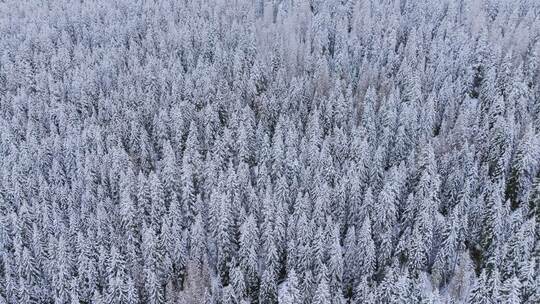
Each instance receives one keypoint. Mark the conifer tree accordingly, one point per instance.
(480, 292)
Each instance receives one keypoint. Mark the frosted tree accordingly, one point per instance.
(524, 167)
(511, 291)
(492, 226)
(154, 291)
(268, 289)
(291, 292)
(366, 251)
(190, 165)
(479, 293)
(322, 293)
(350, 259)
(248, 254)
(62, 274)
(157, 196)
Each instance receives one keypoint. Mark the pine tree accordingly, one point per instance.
(248, 254)
(335, 264)
(144, 199)
(62, 274)
(447, 257)
(363, 293)
(480, 292)
(268, 289)
(158, 201)
(189, 175)
(365, 251)
(512, 291)
(238, 284)
(132, 295)
(154, 291)
(224, 237)
(322, 294)
(524, 167)
(291, 293)
(350, 259)
(494, 284)
(492, 226)
(168, 175)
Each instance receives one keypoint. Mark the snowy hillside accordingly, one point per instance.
(269, 151)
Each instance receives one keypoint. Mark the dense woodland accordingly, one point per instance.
(269, 151)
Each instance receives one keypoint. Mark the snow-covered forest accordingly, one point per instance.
(269, 151)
